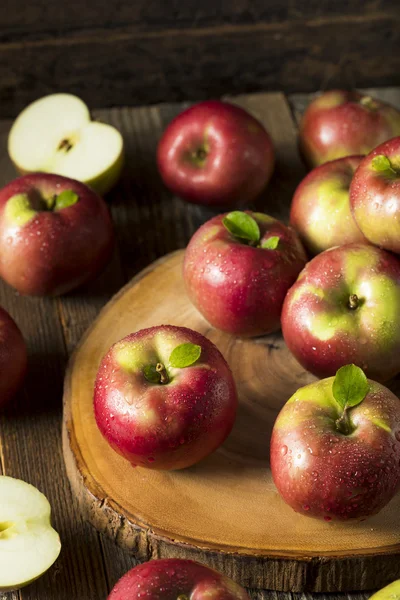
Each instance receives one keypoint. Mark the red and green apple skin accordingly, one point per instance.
(164, 426)
(375, 197)
(216, 154)
(51, 251)
(321, 328)
(239, 288)
(320, 210)
(176, 579)
(323, 473)
(345, 123)
(13, 358)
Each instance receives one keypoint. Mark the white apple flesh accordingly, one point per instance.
(28, 543)
(55, 134)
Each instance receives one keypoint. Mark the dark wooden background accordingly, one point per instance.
(133, 52)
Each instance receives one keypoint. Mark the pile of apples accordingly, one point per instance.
(164, 397)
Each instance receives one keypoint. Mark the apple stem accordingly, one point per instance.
(162, 372)
(343, 422)
(353, 301)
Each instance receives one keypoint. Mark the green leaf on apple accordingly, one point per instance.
(381, 163)
(151, 374)
(65, 199)
(241, 225)
(271, 243)
(350, 386)
(184, 355)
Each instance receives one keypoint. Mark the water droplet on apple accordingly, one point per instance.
(327, 518)
(397, 435)
(306, 507)
(151, 459)
(284, 450)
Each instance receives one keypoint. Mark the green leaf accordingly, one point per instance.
(65, 199)
(271, 243)
(242, 226)
(381, 163)
(350, 386)
(184, 355)
(151, 374)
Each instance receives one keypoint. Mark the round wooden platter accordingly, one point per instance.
(225, 511)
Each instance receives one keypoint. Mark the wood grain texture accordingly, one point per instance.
(26, 20)
(199, 512)
(129, 66)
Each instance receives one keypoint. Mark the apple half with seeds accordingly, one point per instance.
(55, 134)
(28, 543)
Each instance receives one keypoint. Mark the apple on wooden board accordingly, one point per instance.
(345, 123)
(164, 397)
(344, 308)
(320, 210)
(55, 234)
(335, 447)
(390, 592)
(215, 153)
(176, 579)
(13, 357)
(28, 543)
(55, 134)
(238, 268)
(375, 196)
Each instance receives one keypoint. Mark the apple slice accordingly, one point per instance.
(56, 135)
(28, 543)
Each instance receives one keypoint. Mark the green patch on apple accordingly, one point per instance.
(19, 211)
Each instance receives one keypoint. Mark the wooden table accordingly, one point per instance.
(150, 223)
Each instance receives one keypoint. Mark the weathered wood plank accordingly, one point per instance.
(130, 67)
(22, 20)
(31, 442)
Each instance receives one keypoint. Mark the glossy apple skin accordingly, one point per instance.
(322, 331)
(170, 426)
(238, 288)
(320, 210)
(13, 358)
(342, 123)
(239, 156)
(55, 251)
(323, 473)
(171, 578)
(375, 198)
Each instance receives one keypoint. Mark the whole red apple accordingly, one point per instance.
(176, 579)
(344, 308)
(375, 196)
(55, 234)
(320, 210)
(238, 267)
(13, 357)
(335, 447)
(217, 154)
(164, 397)
(342, 123)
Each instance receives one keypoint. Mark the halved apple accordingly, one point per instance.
(28, 543)
(56, 135)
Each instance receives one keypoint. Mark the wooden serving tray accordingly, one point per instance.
(225, 511)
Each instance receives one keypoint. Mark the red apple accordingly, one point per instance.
(176, 579)
(55, 234)
(340, 123)
(217, 154)
(320, 210)
(344, 308)
(335, 447)
(13, 358)
(164, 397)
(375, 196)
(238, 268)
